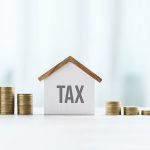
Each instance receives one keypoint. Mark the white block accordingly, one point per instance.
(69, 75)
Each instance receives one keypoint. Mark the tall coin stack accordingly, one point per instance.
(24, 103)
(7, 97)
(113, 108)
(130, 110)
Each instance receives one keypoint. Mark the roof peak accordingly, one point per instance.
(75, 62)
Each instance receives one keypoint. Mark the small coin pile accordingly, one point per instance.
(145, 112)
(24, 103)
(131, 110)
(7, 100)
(113, 108)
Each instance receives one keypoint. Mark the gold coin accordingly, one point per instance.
(25, 107)
(7, 90)
(113, 103)
(7, 113)
(25, 113)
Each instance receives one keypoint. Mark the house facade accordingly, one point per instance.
(69, 88)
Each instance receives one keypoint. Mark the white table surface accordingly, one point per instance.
(60, 132)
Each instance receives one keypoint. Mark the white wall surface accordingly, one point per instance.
(69, 75)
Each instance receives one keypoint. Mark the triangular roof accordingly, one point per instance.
(75, 62)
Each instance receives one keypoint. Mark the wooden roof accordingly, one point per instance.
(64, 62)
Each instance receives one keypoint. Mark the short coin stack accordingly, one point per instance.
(145, 112)
(24, 103)
(113, 108)
(7, 100)
(130, 110)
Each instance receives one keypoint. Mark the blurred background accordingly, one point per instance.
(111, 37)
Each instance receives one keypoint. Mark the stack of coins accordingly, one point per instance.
(24, 103)
(7, 100)
(145, 112)
(113, 108)
(131, 110)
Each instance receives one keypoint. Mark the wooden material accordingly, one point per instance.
(75, 62)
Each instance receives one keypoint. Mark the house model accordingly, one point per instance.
(69, 88)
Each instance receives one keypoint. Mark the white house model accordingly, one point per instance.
(69, 88)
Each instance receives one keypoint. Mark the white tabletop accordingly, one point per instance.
(60, 132)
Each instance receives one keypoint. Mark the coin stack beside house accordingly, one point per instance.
(113, 108)
(7, 98)
(131, 110)
(145, 112)
(24, 104)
